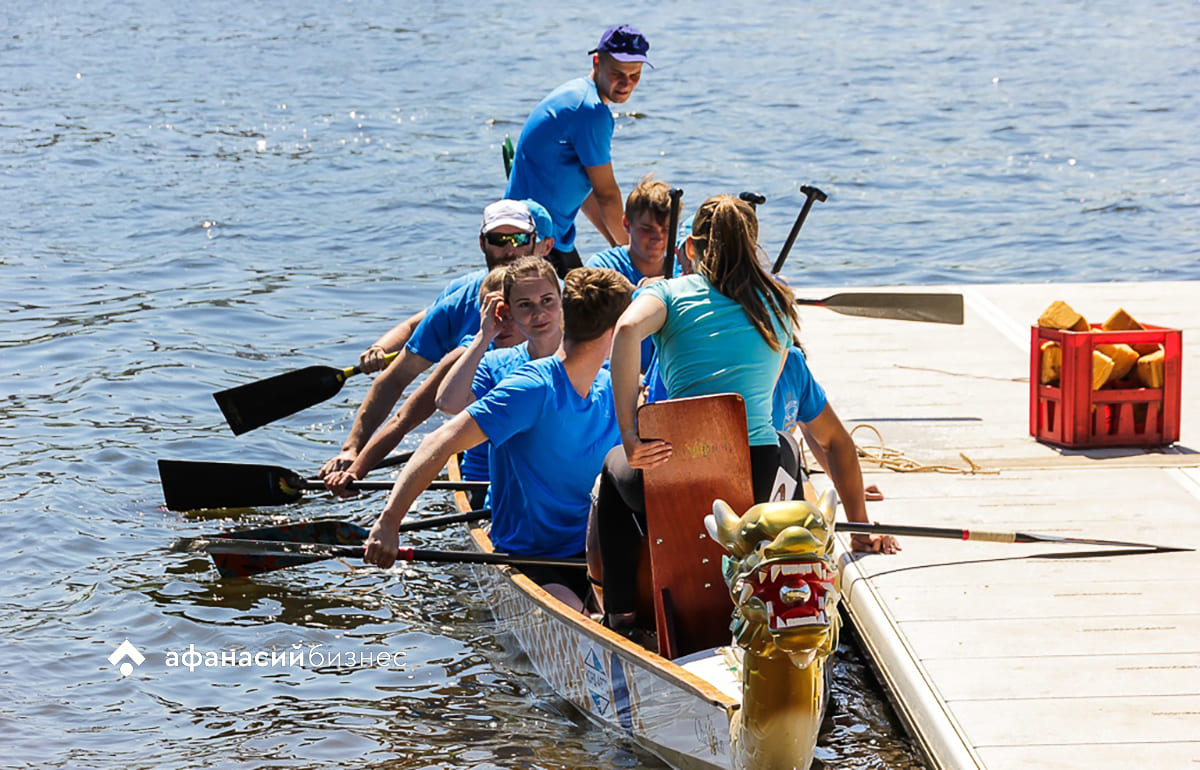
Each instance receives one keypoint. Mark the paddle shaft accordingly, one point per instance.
(393, 460)
(374, 486)
(676, 195)
(810, 194)
(219, 545)
(986, 536)
(433, 522)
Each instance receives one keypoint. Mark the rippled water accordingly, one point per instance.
(200, 194)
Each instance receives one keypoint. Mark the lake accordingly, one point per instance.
(197, 195)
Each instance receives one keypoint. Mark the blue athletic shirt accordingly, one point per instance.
(798, 397)
(707, 345)
(617, 258)
(452, 316)
(567, 132)
(493, 367)
(548, 444)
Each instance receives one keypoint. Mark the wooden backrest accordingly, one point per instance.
(710, 459)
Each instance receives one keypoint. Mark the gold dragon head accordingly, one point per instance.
(782, 577)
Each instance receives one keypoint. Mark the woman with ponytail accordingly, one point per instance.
(724, 329)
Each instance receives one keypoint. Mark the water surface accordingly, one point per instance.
(196, 195)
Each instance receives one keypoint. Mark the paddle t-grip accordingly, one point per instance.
(810, 194)
(676, 195)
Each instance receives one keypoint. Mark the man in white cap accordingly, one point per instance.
(563, 158)
(508, 231)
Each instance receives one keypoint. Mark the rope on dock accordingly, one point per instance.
(894, 459)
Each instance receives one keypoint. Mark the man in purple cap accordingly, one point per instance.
(563, 159)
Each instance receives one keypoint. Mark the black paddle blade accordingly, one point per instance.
(926, 307)
(246, 564)
(251, 406)
(189, 486)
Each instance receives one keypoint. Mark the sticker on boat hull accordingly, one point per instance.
(607, 687)
(620, 692)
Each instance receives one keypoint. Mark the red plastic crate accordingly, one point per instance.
(1073, 415)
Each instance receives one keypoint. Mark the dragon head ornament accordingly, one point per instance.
(782, 577)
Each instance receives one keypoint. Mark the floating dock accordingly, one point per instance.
(1015, 656)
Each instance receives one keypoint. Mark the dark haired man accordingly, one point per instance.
(563, 158)
(550, 423)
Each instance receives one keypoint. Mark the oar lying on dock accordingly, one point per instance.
(987, 536)
(255, 404)
(908, 306)
(189, 486)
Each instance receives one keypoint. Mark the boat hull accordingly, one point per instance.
(663, 707)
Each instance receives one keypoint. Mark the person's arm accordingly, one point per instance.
(455, 391)
(840, 458)
(373, 358)
(643, 317)
(604, 207)
(457, 435)
(415, 410)
(384, 393)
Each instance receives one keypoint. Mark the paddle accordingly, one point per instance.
(393, 460)
(255, 404)
(914, 306)
(986, 536)
(754, 199)
(240, 558)
(810, 194)
(189, 486)
(342, 533)
(676, 195)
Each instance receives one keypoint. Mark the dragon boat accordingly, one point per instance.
(744, 609)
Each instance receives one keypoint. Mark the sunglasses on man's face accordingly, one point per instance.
(511, 239)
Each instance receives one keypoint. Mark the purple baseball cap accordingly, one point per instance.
(624, 43)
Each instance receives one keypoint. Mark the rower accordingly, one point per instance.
(550, 424)
(564, 155)
(532, 301)
(501, 333)
(508, 231)
(725, 329)
(647, 210)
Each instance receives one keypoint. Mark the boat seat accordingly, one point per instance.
(710, 459)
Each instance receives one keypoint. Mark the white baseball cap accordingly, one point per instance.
(507, 212)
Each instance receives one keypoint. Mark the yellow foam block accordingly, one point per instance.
(1121, 321)
(1051, 361)
(1124, 358)
(1060, 315)
(1150, 369)
(1102, 367)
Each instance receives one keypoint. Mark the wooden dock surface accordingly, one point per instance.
(1016, 656)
